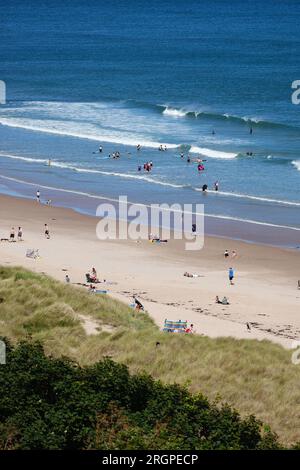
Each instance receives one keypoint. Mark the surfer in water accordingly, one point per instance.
(204, 188)
(251, 130)
(216, 186)
(138, 147)
(100, 149)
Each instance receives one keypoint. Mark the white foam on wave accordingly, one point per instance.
(296, 164)
(254, 198)
(25, 159)
(73, 129)
(94, 196)
(213, 153)
(59, 128)
(173, 112)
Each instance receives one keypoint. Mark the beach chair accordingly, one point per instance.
(32, 253)
(171, 326)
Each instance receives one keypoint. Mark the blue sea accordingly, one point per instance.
(210, 79)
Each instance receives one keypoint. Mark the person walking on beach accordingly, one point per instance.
(12, 235)
(47, 233)
(38, 196)
(231, 276)
(20, 234)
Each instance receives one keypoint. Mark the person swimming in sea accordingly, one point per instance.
(204, 188)
(216, 186)
(139, 168)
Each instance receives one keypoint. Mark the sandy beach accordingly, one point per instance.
(264, 293)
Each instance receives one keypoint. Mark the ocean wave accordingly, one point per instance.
(95, 196)
(148, 179)
(61, 128)
(77, 130)
(168, 110)
(174, 112)
(253, 121)
(296, 164)
(213, 153)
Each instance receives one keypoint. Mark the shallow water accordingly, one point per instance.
(117, 75)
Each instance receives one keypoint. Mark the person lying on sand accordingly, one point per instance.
(186, 274)
(224, 301)
(155, 238)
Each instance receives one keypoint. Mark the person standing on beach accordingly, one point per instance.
(231, 276)
(12, 235)
(20, 234)
(67, 278)
(38, 195)
(47, 233)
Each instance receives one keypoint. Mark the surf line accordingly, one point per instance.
(103, 198)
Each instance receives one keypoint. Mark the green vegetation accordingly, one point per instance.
(48, 403)
(254, 377)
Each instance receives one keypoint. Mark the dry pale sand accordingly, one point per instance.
(265, 293)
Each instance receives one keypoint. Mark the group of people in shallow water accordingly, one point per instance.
(215, 187)
(147, 166)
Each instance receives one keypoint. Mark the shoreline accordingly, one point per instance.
(220, 226)
(265, 293)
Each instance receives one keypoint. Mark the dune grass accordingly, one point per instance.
(255, 377)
